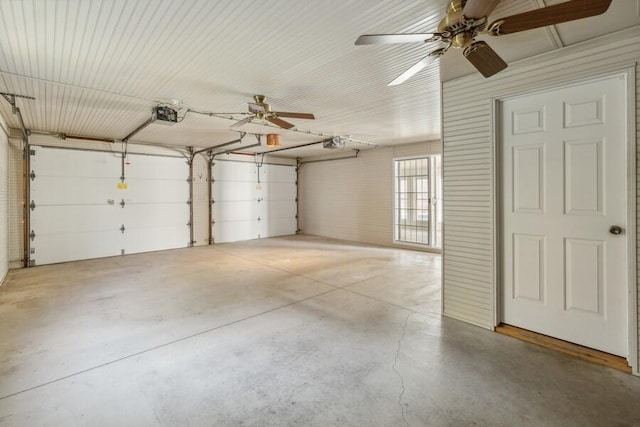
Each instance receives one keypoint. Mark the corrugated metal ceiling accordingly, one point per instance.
(97, 68)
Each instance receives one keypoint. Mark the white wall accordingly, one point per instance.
(4, 200)
(469, 254)
(352, 199)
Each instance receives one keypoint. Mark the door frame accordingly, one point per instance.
(629, 74)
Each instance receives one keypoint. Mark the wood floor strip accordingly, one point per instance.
(584, 353)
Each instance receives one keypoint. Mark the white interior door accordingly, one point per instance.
(564, 186)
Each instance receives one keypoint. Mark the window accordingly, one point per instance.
(417, 213)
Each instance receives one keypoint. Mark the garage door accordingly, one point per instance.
(251, 202)
(81, 210)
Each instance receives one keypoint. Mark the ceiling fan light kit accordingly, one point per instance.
(466, 19)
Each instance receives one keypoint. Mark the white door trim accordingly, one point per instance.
(630, 77)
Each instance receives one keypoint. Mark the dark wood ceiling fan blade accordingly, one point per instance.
(479, 8)
(485, 59)
(279, 122)
(392, 38)
(295, 115)
(550, 15)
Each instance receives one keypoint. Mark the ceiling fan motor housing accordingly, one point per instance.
(452, 22)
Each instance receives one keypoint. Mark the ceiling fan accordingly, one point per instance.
(259, 109)
(465, 19)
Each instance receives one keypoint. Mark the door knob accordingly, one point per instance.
(615, 229)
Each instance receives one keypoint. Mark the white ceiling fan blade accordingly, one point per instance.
(413, 70)
(243, 122)
(393, 38)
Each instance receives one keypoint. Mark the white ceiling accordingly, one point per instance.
(97, 68)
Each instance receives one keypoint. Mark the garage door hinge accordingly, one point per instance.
(32, 152)
(212, 201)
(32, 175)
(32, 205)
(32, 263)
(188, 202)
(189, 224)
(32, 235)
(122, 203)
(32, 250)
(122, 228)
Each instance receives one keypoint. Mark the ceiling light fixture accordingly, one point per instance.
(273, 140)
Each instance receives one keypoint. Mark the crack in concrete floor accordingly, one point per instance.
(395, 367)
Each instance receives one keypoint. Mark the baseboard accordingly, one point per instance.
(584, 353)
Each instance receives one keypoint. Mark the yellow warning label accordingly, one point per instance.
(123, 186)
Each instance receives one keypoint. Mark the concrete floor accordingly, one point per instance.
(296, 331)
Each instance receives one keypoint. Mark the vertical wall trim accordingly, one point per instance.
(444, 202)
(26, 192)
(632, 197)
(496, 202)
(210, 197)
(190, 179)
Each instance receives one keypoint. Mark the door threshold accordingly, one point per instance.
(584, 353)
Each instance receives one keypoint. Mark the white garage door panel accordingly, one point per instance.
(78, 163)
(156, 215)
(58, 190)
(279, 205)
(279, 227)
(50, 220)
(78, 213)
(233, 190)
(155, 239)
(280, 191)
(280, 209)
(156, 168)
(235, 211)
(155, 191)
(75, 246)
(277, 173)
(235, 231)
(240, 200)
(234, 171)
